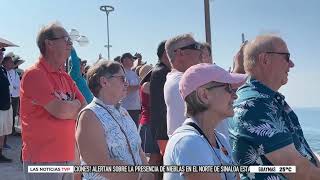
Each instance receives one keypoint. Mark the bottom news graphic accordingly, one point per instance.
(164, 169)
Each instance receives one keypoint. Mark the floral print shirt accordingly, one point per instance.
(114, 138)
(263, 122)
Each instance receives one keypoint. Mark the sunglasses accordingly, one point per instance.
(228, 88)
(287, 55)
(67, 39)
(194, 46)
(122, 78)
(3, 49)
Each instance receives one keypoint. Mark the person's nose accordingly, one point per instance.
(125, 83)
(291, 64)
(69, 42)
(234, 95)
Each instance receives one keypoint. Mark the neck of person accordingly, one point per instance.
(166, 62)
(208, 122)
(127, 68)
(54, 61)
(177, 67)
(7, 69)
(107, 99)
(266, 81)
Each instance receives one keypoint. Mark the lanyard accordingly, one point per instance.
(194, 125)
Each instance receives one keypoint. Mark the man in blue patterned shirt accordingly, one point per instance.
(264, 129)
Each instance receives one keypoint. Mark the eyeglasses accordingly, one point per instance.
(122, 78)
(194, 46)
(281, 53)
(3, 49)
(67, 39)
(228, 88)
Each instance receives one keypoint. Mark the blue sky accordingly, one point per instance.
(139, 25)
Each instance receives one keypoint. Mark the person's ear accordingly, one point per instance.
(103, 81)
(179, 51)
(202, 94)
(264, 59)
(47, 42)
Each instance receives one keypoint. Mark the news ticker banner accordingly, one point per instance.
(154, 169)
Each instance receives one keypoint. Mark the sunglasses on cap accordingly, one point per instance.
(194, 46)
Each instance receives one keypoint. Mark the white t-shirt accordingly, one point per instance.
(14, 80)
(174, 101)
(176, 106)
(132, 100)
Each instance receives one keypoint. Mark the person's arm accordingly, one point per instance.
(143, 157)
(69, 109)
(96, 152)
(45, 95)
(63, 109)
(144, 176)
(288, 155)
(76, 176)
(238, 66)
(75, 65)
(146, 87)
(133, 82)
(132, 88)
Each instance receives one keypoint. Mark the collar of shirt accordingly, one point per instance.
(47, 66)
(255, 89)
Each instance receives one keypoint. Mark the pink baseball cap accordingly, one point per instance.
(203, 73)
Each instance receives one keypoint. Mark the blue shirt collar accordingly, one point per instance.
(257, 89)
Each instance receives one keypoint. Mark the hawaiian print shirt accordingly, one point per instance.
(263, 122)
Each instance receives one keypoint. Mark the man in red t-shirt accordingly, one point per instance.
(50, 102)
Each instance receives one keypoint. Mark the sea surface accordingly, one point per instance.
(309, 119)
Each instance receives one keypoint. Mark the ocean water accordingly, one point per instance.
(310, 123)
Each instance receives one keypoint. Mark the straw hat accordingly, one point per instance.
(6, 43)
(144, 73)
(136, 64)
(17, 61)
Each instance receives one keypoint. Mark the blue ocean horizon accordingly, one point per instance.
(308, 118)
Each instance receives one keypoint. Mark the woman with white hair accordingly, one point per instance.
(209, 92)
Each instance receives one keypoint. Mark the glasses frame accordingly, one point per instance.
(194, 46)
(122, 78)
(67, 39)
(228, 88)
(281, 53)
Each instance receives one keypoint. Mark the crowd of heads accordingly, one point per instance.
(207, 90)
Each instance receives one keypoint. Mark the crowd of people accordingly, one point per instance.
(185, 110)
